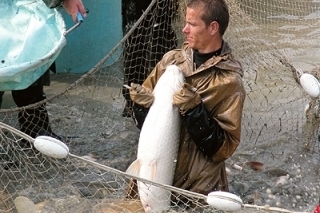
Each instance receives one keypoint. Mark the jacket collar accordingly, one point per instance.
(224, 61)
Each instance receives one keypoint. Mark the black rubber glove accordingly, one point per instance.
(204, 130)
(139, 114)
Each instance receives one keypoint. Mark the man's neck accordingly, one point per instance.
(200, 58)
(211, 47)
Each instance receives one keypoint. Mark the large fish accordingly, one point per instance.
(159, 143)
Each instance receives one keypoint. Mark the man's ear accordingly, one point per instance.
(214, 27)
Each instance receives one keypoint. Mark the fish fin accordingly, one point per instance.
(134, 168)
(153, 166)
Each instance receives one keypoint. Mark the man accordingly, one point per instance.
(148, 42)
(35, 122)
(210, 102)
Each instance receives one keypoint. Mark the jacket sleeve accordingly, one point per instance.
(229, 118)
(223, 98)
(139, 112)
(204, 130)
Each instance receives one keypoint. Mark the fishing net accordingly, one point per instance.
(272, 39)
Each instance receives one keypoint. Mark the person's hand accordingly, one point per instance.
(187, 98)
(72, 7)
(141, 95)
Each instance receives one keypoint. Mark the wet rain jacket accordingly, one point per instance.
(219, 83)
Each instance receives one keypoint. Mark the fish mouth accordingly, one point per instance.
(147, 209)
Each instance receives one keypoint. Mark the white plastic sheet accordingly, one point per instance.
(31, 38)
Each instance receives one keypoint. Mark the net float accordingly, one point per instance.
(51, 147)
(310, 84)
(224, 201)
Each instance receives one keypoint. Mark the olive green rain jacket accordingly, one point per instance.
(219, 83)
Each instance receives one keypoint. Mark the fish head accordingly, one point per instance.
(154, 198)
(147, 209)
(176, 76)
(172, 80)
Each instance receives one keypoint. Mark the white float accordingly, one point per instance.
(310, 84)
(225, 201)
(51, 147)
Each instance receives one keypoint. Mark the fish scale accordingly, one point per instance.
(159, 143)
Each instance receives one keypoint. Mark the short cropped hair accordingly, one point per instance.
(213, 10)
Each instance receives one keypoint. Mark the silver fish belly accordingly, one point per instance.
(159, 143)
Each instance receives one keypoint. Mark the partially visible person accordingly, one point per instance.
(72, 7)
(317, 209)
(148, 42)
(210, 102)
(35, 122)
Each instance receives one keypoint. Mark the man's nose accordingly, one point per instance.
(185, 29)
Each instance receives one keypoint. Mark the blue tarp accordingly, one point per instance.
(31, 38)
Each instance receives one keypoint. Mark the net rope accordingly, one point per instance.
(272, 39)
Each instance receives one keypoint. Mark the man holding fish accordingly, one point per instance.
(210, 101)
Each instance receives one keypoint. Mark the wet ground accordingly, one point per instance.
(288, 178)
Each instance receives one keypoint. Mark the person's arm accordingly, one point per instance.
(142, 96)
(228, 116)
(72, 7)
(142, 99)
(216, 134)
(204, 130)
(139, 114)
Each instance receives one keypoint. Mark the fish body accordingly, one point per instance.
(159, 143)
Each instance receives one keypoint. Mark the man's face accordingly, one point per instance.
(197, 33)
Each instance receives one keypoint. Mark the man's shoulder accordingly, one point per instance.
(179, 53)
(173, 55)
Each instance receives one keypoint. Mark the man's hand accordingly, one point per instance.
(72, 7)
(141, 95)
(187, 98)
